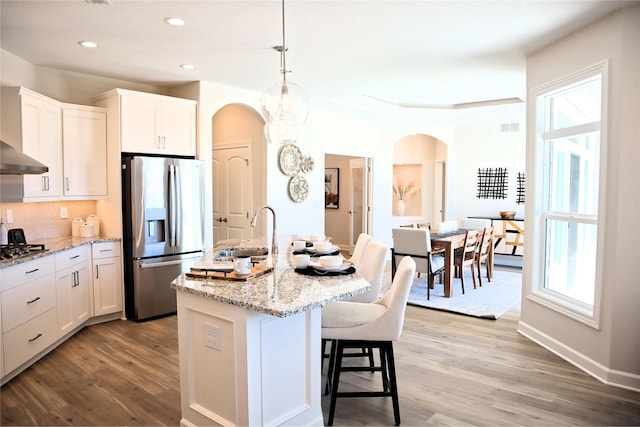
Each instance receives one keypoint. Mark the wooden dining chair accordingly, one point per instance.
(467, 256)
(483, 254)
(425, 225)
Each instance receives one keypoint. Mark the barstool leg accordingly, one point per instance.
(336, 377)
(369, 350)
(331, 368)
(394, 384)
(383, 369)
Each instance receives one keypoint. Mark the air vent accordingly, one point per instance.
(509, 127)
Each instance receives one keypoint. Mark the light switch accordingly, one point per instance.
(9, 216)
(64, 212)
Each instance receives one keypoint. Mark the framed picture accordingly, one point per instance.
(331, 188)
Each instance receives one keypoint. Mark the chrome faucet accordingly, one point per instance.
(254, 220)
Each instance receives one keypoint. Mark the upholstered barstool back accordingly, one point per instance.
(359, 249)
(371, 267)
(381, 320)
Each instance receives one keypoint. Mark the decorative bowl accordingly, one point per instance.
(322, 246)
(331, 261)
(507, 214)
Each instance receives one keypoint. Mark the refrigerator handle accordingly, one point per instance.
(161, 264)
(172, 205)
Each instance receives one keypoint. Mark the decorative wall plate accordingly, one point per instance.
(307, 164)
(289, 159)
(298, 189)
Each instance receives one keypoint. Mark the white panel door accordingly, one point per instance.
(360, 199)
(231, 193)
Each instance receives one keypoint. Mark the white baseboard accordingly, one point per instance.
(508, 260)
(606, 375)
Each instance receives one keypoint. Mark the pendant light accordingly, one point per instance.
(285, 105)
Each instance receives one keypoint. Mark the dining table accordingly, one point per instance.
(448, 242)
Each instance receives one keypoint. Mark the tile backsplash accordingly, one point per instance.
(42, 220)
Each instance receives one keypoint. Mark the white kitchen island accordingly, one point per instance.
(250, 351)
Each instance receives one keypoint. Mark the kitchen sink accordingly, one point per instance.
(256, 254)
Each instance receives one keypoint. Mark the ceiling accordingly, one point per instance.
(421, 54)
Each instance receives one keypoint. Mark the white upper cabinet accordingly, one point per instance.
(33, 124)
(71, 140)
(85, 151)
(157, 124)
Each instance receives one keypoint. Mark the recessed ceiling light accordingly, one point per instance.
(89, 44)
(188, 66)
(175, 21)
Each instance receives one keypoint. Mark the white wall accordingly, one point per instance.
(63, 86)
(481, 144)
(610, 352)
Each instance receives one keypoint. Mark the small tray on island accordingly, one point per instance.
(225, 272)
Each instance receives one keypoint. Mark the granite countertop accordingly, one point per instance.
(55, 245)
(281, 293)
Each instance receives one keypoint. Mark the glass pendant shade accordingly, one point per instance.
(285, 107)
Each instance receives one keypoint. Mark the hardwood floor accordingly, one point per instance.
(452, 370)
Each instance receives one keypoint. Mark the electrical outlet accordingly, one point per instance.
(213, 336)
(9, 216)
(64, 212)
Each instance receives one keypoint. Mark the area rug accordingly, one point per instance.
(490, 301)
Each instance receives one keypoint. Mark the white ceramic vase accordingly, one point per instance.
(401, 207)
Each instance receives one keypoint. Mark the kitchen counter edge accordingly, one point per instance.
(57, 244)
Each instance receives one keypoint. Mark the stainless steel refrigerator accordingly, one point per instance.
(163, 221)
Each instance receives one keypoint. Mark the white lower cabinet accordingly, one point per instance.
(28, 310)
(73, 283)
(43, 300)
(29, 339)
(107, 278)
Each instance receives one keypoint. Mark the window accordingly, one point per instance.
(568, 118)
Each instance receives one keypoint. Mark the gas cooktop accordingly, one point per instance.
(12, 251)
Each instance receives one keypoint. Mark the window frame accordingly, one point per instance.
(536, 291)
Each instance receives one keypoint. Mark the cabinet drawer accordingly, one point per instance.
(22, 273)
(106, 250)
(27, 340)
(71, 257)
(27, 301)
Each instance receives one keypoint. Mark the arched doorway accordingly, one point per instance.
(239, 171)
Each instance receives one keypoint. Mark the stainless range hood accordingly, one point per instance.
(14, 162)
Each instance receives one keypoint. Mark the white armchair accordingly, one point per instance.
(416, 243)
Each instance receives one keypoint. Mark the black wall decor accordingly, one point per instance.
(520, 189)
(492, 183)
